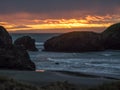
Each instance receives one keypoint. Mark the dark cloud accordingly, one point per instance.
(59, 6)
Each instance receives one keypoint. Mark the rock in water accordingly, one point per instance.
(5, 38)
(11, 56)
(15, 58)
(75, 42)
(27, 42)
(111, 37)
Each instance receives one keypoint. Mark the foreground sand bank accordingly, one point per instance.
(47, 77)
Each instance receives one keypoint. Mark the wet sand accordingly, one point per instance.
(43, 78)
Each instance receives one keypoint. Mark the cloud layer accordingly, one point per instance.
(56, 6)
(42, 14)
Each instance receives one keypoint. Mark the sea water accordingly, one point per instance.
(103, 62)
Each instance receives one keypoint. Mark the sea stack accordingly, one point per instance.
(111, 37)
(75, 42)
(13, 57)
(5, 38)
(27, 42)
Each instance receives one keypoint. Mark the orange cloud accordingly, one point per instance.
(25, 21)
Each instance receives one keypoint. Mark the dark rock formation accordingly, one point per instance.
(75, 42)
(13, 57)
(86, 41)
(5, 38)
(27, 42)
(111, 37)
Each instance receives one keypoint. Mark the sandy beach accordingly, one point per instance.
(47, 77)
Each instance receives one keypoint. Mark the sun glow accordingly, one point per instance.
(28, 22)
(67, 26)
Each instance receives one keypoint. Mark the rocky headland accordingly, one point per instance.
(84, 41)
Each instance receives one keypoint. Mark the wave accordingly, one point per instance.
(106, 54)
(39, 43)
(105, 65)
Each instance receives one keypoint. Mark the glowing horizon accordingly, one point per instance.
(88, 21)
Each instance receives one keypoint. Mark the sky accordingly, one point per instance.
(58, 15)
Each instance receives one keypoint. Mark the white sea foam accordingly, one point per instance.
(39, 43)
(107, 54)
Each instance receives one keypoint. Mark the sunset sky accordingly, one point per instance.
(58, 15)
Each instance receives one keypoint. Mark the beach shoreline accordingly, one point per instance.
(90, 75)
(44, 78)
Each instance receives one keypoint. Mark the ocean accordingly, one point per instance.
(102, 62)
